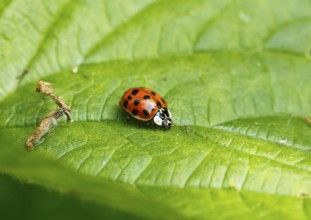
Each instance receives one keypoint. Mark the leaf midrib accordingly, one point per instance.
(252, 51)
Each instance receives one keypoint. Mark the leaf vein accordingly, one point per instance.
(48, 31)
(97, 45)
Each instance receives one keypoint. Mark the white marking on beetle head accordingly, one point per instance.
(157, 120)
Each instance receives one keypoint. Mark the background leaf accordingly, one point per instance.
(236, 75)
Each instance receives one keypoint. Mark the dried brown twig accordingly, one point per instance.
(45, 126)
(50, 121)
(46, 88)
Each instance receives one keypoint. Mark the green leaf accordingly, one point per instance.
(29, 199)
(236, 75)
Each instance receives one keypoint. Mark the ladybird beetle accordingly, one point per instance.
(145, 104)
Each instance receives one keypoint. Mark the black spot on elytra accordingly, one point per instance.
(136, 102)
(153, 93)
(135, 91)
(129, 97)
(145, 112)
(146, 97)
(125, 103)
(159, 105)
(134, 112)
